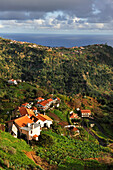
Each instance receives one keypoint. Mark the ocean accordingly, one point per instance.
(57, 40)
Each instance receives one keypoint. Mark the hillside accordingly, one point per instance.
(86, 70)
(12, 153)
(82, 77)
(77, 72)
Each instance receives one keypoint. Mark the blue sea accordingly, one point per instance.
(57, 40)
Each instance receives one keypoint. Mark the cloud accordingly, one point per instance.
(57, 15)
(77, 7)
(102, 11)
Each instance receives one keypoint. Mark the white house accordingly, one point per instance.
(24, 125)
(12, 81)
(39, 99)
(44, 120)
(31, 130)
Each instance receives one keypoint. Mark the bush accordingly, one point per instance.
(45, 140)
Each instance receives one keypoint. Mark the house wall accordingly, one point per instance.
(14, 130)
(35, 131)
(85, 114)
(48, 123)
(31, 133)
(25, 133)
(41, 123)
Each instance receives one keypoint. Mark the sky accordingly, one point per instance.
(56, 16)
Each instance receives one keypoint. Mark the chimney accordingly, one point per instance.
(32, 126)
(32, 118)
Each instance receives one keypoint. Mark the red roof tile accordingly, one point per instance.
(73, 115)
(85, 111)
(50, 100)
(24, 111)
(58, 98)
(74, 129)
(44, 103)
(44, 117)
(23, 121)
(39, 98)
(34, 108)
(35, 136)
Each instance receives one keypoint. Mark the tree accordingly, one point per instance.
(45, 140)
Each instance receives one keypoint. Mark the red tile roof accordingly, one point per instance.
(25, 104)
(73, 115)
(23, 121)
(50, 100)
(74, 129)
(58, 98)
(43, 117)
(23, 111)
(34, 108)
(85, 111)
(44, 103)
(35, 136)
(39, 98)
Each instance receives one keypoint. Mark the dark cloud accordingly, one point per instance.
(16, 15)
(79, 7)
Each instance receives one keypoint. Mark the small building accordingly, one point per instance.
(25, 111)
(44, 120)
(27, 105)
(39, 99)
(72, 128)
(12, 129)
(24, 126)
(19, 80)
(12, 81)
(85, 113)
(74, 116)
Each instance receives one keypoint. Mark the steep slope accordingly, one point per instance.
(87, 70)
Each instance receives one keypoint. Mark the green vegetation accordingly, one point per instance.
(81, 78)
(13, 96)
(12, 153)
(62, 70)
(69, 151)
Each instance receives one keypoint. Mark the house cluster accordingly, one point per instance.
(82, 114)
(28, 124)
(43, 104)
(78, 116)
(73, 128)
(29, 121)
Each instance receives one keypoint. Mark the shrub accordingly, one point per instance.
(45, 140)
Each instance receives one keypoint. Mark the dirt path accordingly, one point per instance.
(38, 161)
(101, 141)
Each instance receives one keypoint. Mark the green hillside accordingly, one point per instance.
(81, 77)
(63, 70)
(12, 154)
(77, 71)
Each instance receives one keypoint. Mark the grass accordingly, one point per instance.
(12, 152)
(61, 115)
(95, 128)
(107, 128)
(81, 165)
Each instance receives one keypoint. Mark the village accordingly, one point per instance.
(30, 118)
